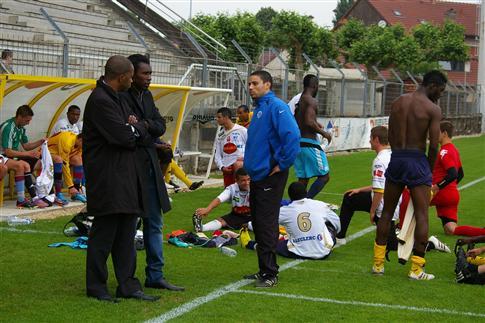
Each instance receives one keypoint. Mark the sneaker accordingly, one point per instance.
(340, 242)
(175, 187)
(79, 197)
(438, 245)
(196, 185)
(61, 200)
(40, 204)
(244, 237)
(266, 282)
(255, 276)
(26, 204)
(378, 269)
(197, 222)
(46, 200)
(421, 276)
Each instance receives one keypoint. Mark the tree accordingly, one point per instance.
(299, 34)
(265, 17)
(342, 7)
(348, 34)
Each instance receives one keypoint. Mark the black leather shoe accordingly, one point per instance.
(163, 284)
(139, 295)
(105, 298)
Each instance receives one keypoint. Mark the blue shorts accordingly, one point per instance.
(409, 167)
(311, 161)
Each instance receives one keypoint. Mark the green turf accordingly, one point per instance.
(40, 284)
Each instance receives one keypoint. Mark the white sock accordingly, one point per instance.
(212, 226)
(250, 226)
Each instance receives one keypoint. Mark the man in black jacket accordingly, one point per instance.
(152, 189)
(112, 184)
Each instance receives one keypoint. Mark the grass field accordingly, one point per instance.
(41, 284)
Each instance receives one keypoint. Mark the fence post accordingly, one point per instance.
(205, 74)
(284, 87)
(342, 86)
(399, 79)
(139, 37)
(364, 75)
(383, 106)
(249, 68)
(65, 47)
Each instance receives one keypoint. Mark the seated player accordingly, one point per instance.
(473, 271)
(67, 146)
(369, 198)
(238, 195)
(71, 123)
(447, 173)
(230, 145)
(169, 167)
(311, 227)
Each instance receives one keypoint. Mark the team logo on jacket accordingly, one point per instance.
(260, 113)
(230, 148)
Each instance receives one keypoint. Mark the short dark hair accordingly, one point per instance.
(225, 112)
(381, 133)
(24, 111)
(447, 126)
(310, 80)
(73, 107)
(244, 107)
(241, 172)
(6, 53)
(263, 75)
(115, 66)
(137, 59)
(297, 191)
(434, 77)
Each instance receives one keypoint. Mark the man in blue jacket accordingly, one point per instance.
(272, 146)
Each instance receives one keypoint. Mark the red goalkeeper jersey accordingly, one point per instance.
(448, 156)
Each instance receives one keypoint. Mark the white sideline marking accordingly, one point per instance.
(358, 303)
(27, 231)
(187, 307)
(471, 183)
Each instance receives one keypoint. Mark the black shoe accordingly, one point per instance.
(163, 284)
(197, 222)
(196, 185)
(105, 298)
(255, 276)
(266, 282)
(176, 188)
(139, 295)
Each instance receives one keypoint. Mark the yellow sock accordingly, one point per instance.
(417, 264)
(477, 261)
(180, 174)
(379, 254)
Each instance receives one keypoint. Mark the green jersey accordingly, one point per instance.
(12, 136)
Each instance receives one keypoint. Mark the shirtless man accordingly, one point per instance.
(311, 161)
(413, 117)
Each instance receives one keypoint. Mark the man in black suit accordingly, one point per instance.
(112, 184)
(152, 190)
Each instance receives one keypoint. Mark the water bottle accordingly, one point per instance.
(15, 220)
(228, 251)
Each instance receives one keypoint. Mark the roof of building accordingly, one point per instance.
(412, 12)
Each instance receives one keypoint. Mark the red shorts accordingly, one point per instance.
(446, 202)
(229, 179)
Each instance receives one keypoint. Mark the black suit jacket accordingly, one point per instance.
(146, 112)
(109, 154)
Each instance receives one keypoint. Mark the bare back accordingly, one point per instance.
(414, 116)
(306, 117)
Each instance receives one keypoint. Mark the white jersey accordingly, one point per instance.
(239, 199)
(379, 166)
(293, 102)
(65, 125)
(308, 235)
(230, 145)
(44, 182)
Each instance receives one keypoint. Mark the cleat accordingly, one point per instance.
(266, 282)
(340, 242)
(79, 197)
(197, 222)
(438, 245)
(244, 237)
(60, 200)
(196, 185)
(26, 204)
(421, 276)
(175, 187)
(255, 276)
(378, 269)
(40, 204)
(46, 200)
